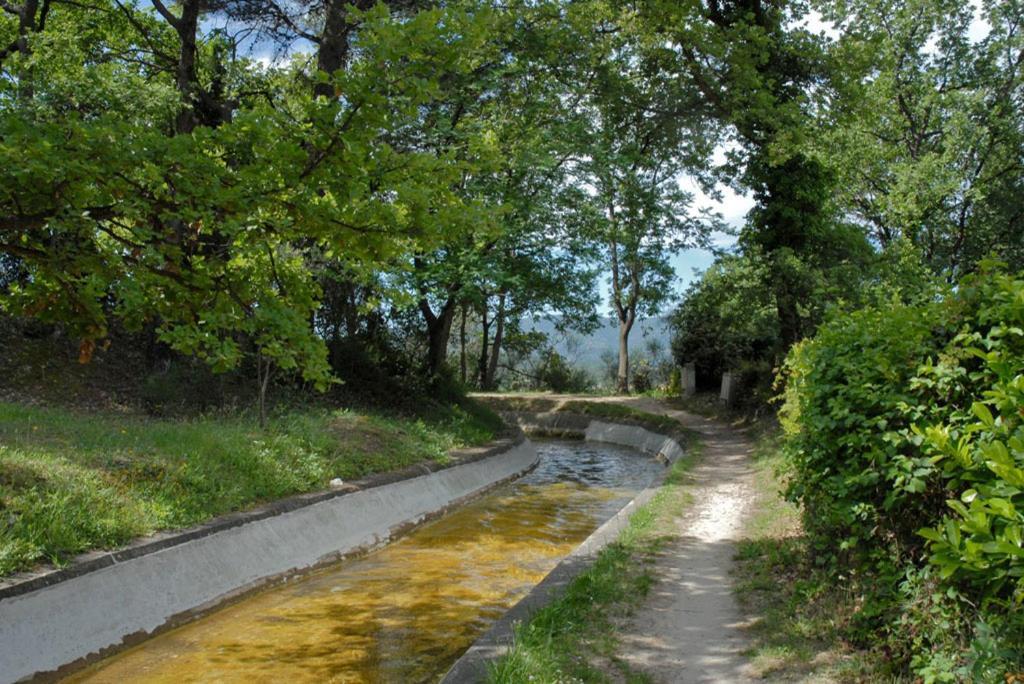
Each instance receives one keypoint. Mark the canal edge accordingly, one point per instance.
(471, 667)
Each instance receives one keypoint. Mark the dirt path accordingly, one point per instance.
(689, 627)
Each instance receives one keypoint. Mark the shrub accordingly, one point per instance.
(905, 448)
(755, 382)
(855, 471)
(642, 376)
(558, 376)
(979, 449)
(725, 318)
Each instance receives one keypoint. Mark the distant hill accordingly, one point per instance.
(585, 350)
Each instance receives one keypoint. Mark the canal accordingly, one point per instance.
(406, 612)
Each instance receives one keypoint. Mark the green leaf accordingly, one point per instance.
(983, 414)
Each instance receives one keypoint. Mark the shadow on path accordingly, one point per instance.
(689, 628)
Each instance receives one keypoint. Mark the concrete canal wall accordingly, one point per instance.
(662, 447)
(58, 620)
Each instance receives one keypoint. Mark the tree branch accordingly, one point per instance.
(166, 14)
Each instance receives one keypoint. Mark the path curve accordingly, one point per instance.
(689, 627)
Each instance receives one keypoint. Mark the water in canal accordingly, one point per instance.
(406, 612)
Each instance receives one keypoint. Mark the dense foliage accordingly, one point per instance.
(905, 139)
(727, 320)
(270, 186)
(905, 447)
(923, 130)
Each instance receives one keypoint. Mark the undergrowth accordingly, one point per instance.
(801, 619)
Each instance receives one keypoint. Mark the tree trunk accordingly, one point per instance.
(462, 346)
(263, 369)
(334, 41)
(27, 24)
(185, 77)
(333, 45)
(485, 332)
(789, 319)
(439, 330)
(499, 333)
(623, 374)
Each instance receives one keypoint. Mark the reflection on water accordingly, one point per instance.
(404, 613)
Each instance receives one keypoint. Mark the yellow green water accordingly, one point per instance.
(404, 613)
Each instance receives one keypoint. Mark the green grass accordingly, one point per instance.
(573, 638)
(799, 616)
(527, 404)
(71, 482)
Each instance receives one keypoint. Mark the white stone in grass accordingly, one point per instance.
(337, 482)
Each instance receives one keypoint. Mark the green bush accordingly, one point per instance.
(643, 375)
(726, 317)
(558, 376)
(905, 449)
(854, 469)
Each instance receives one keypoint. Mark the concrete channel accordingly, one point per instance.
(57, 623)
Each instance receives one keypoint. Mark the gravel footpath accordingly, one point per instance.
(689, 628)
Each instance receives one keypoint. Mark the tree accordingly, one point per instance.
(924, 127)
(754, 68)
(646, 223)
(642, 142)
(727, 318)
(30, 17)
(120, 208)
(520, 130)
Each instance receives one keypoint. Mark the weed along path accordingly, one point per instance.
(689, 628)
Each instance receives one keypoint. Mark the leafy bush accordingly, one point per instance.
(558, 376)
(906, 449)
(726, 317)
(755, 383)
(643, 375)
(849, 445)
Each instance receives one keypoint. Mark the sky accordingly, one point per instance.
(732, 207)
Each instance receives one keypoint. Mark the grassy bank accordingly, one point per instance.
(800, 618)
(72, 481)
(573, 638)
